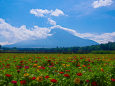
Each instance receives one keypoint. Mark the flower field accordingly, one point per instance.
(57, 70)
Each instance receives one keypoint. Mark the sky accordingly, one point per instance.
(34, 19)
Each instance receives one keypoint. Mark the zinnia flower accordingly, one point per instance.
(18, 71)
(67, 70)
(41, 67)
(47, 77)
(33, 78)
(87, 81)
(39, 78)
(113, 80)
(66, 75)
(23, 82)
(26, 67)
(61, 72)
(14, 82)
(102, 70)
(53, 80)
(93, 84)
(8, 75)
(77, 81)
(79, 74)
(26, 74)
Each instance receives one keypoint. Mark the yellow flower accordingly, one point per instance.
(67, 65)
(69, 57)
(63, 64)
(54, 67)
(26, 74)
(38, 66)
(76, 80)
(39, 78)
(79, 67)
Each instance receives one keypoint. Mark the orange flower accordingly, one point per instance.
(102, 70)
(35, 64)
(39, 78)
(83, 65)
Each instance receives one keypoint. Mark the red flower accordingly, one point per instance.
(87, 81)
(89, 67)
(14, 82)
(41, 67)
(79, 74)
(23, 82)
(61, 72)
(47, 77)
(8, 65)
(21, 61)
(33, 78)
(94, 84)
(53, 80)
(66, 75)
(78, 65)
(49, 60)
(18, 71)
(8, 75)
(113, 80)
(67, 70)
(19, 67)
(26, 67)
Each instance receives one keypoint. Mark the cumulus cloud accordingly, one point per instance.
(101, 3)
(42, 13)
(11, 34)
(52, 22)
(57, 12)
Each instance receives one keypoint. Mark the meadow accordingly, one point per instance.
(57, 69)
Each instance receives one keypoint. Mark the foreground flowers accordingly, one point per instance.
(48, 70)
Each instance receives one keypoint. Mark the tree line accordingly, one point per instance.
(108, 48)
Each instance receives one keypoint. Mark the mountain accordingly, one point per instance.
(60, 38)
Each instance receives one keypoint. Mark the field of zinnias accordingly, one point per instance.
(57, 70)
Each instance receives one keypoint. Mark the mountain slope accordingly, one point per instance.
(60, 38)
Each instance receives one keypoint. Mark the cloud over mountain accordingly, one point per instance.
(10, 34)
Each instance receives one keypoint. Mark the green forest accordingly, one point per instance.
(108, 48)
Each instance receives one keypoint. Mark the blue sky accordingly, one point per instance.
(91, 19)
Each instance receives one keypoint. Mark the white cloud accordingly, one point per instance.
(39, 12)
(52, 22)
(42, 13)
(57, 12)
(101, 3)
(11, 34)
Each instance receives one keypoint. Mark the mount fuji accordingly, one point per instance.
(60, 38)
